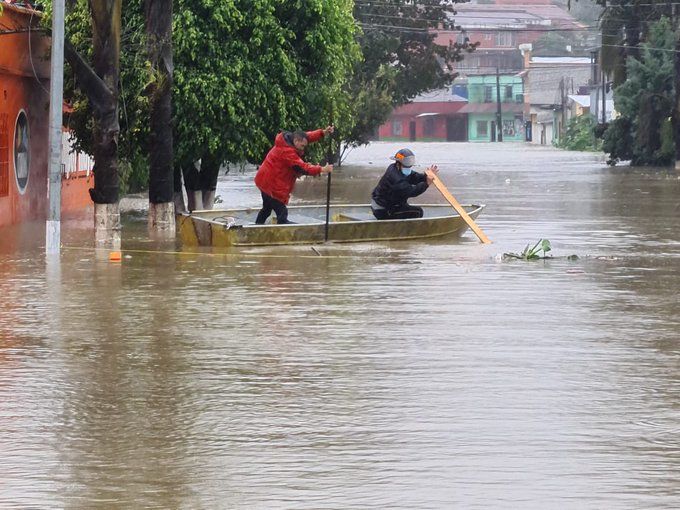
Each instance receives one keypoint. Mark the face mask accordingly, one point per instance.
(406, 171)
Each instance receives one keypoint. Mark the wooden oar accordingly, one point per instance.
(459, 208)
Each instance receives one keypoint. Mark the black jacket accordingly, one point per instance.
(395, 188)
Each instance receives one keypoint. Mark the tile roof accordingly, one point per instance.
(482, 16)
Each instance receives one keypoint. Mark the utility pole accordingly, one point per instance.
(53, 226)
(499, 114)
(563, 109)
(604, 98)
(675, 117)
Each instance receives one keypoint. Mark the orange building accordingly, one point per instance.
(24, 105)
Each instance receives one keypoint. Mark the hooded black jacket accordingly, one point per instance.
(395, 188)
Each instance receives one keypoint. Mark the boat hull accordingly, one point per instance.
(349, 224)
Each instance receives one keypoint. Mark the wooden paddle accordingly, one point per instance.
(459, 208)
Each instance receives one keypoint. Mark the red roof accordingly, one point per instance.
(442, 107)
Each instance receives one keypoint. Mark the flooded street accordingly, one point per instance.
(411, 375)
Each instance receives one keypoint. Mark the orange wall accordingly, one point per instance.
(24, 86)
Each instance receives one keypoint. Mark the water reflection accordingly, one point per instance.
(396, 375)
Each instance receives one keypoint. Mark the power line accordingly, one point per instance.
(657, 4)
(379, 2)
(453, 21)
(483, 28)
(435, 31)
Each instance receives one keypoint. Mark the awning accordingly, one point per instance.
(581, 100)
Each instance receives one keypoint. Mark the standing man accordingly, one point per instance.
(281, 167)
(389, 200)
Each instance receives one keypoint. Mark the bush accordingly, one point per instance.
(580, 135)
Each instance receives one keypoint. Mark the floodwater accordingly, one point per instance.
(396, 375)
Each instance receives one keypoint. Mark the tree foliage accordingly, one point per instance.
(645, 103)
(133, 103)
(624, 24)
(247, 69)
(579, 135)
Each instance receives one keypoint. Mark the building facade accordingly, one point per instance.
(482, 108)
(24, 103)
(433, 117)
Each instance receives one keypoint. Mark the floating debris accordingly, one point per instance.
(532, 253)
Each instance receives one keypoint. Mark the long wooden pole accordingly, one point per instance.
(328, 207)
(459, 208)
(329, 160)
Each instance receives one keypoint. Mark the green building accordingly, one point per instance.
(482, 108)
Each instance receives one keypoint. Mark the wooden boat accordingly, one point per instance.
(349, 224)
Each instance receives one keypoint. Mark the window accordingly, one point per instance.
(4, 156)
(428, 126)
(397, 128)
(482, 128)
(21, 154)
(488, 94)
(508, 92)
(504, 39)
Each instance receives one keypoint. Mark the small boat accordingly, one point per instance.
(348, 224)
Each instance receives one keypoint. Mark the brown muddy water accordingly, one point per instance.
(396, 375)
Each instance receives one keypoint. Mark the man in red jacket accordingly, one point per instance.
(281, 167)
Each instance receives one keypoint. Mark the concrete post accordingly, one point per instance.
(53, 226)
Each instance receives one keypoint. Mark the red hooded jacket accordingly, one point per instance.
(283, 165)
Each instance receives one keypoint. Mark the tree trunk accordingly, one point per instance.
(210, 169)
(676, 108)
(100, 83)
(192, 183)
(200, 180)
(106, 65)
(159, 45)
(107, 226)
(161, 178)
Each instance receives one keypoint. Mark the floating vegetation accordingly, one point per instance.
(537, 252)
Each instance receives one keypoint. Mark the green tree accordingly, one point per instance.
(645, 103)
(95, 65)
(247, 69)
(96, 71)
(158, 18)
(132, 105)
(625, 24)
